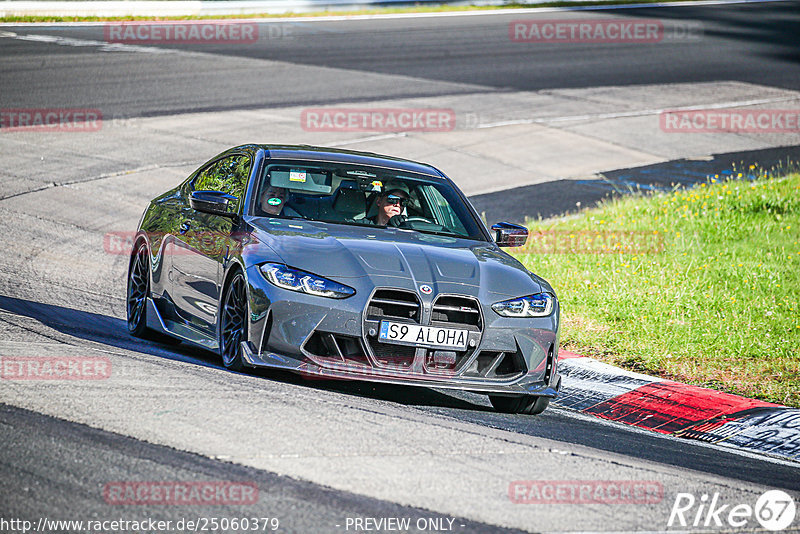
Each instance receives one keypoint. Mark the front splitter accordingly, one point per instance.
(516, 386)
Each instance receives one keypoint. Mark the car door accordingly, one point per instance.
(202, 243)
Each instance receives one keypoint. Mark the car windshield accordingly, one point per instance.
(361, 195)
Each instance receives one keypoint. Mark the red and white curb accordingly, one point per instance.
(669, 407)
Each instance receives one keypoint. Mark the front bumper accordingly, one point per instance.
(336, 339)
(516, 386)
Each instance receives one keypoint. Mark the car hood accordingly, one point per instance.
(344, 252)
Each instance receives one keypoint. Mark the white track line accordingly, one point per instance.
(102, 45)
(641, 113)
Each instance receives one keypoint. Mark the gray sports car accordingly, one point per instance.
(341, 264)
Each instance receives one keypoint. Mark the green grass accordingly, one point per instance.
(371, 11)
(717, 306)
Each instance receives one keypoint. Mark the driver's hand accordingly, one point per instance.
(396, 220)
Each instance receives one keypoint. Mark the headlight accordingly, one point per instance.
(538, 305)
(303, 282)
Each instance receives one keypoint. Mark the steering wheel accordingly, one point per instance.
(417, 218)
(401, 221)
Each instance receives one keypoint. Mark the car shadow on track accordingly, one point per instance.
(409, 395)
(113, 332)
(99, 328)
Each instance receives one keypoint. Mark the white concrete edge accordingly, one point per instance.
(779, 460)
(602, 368)
(602, 371)
(210, 8)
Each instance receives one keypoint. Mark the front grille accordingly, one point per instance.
(439, 361)
(457, 312)
(509, 365)
(491, 364)
(394, 304)
(450, 311)
(335, 348)
(395, 355)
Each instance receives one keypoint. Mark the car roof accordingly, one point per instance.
(316, 153)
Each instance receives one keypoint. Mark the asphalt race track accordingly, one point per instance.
(324, 453)
(315, 63)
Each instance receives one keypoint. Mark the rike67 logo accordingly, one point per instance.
(774, 510)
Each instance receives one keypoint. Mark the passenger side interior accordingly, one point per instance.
(347, 203)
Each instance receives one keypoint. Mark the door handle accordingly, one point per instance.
(185, 227)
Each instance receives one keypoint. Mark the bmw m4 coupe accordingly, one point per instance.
(344, 265)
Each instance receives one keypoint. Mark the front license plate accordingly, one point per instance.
(423, 336)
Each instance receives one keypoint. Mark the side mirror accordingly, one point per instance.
(509, 234)
(214, 202)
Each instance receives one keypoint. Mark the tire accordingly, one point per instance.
(136, 298)
(233, 323)
(524, 404)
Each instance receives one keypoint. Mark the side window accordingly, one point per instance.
(228, 175)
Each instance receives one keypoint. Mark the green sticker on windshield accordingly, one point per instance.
(274, 201)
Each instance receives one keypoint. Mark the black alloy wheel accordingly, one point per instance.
(233, 319)
(138, 291)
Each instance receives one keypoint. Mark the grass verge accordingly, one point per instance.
(370, 11)
(699, 285)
